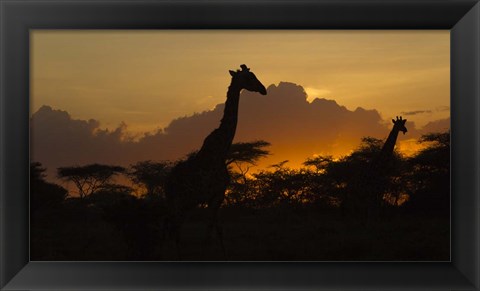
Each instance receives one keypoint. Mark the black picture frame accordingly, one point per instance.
(17, 17)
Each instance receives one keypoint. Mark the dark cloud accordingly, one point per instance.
(296, 128)
(58, 140)
(442, 108)
(440, 125)
(415, 112)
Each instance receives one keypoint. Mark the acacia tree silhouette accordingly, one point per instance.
(242, 157)
(43, 193)
(89, 178)
(203, 177)
(429, 176)
(151, 175)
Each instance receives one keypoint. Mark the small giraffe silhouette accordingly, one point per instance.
(203, 177)
(368, 187)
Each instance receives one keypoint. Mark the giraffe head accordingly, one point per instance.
(399, 124)
(247, 80)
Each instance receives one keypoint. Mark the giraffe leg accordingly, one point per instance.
(177, 245)
(219, 231)
(164, 234)
(172, 231)
(208, 239)
(177, 235)
(209, 231)
(214, 224)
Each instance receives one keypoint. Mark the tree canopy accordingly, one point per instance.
(89, 178)
(248, 152)
(152, 175)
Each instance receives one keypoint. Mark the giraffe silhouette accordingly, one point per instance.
(368, 187)
(202, 178)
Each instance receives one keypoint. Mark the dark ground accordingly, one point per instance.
(73, 233)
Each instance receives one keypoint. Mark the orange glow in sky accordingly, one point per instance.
(146, 79)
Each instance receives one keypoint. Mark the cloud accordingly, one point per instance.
(59, 140)
(440, 125)
(313, 93)
(442, 108)
(415, 112)
(295, 127)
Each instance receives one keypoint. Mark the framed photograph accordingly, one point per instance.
(239, 145)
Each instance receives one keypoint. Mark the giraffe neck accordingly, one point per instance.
(217, 143)
(388, 146)
(228, 124)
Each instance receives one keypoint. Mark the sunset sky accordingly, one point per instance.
(146, 79)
